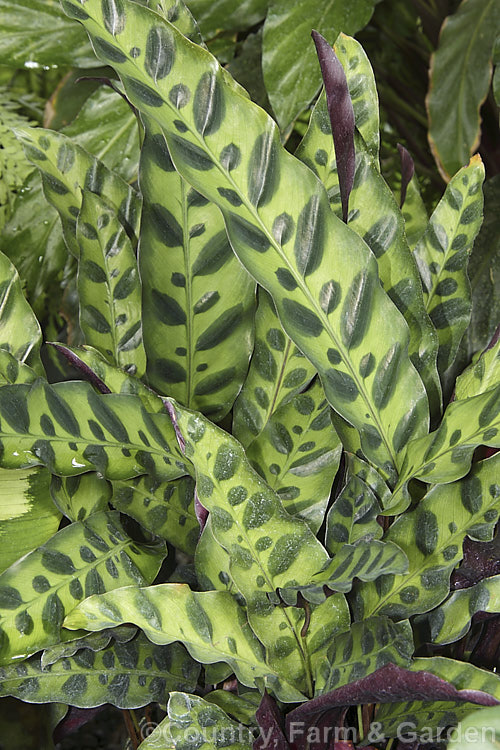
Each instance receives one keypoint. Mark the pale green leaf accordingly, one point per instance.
(79, 496)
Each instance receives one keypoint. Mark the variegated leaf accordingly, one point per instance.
(482, 375)
(92, 641)
(371, 477)
(374, 215)
(242, 707)
(363, 649)
(20, 333)
(212, 562)
(28, 517)
(298, 454)
(71, 429)
(451, 620)
(193, 720)
(66, 170)
(278, 371)
(163, 508)
(197, 299)
(127, 675)
(353, 516)
(211, 624)
(432, 536)
(79, 496)
(442, 255)
(13, 371)
(326, 621)
(109, 288)
(414, 213)
(84, 558)
(281, 236)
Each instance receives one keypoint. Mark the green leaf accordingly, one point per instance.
(323, 315)
(459, 81)
(66, 169)
(482, 375)
(163, 508)
(14, 166)
(127, 675)
(432, 537)
(290, 65)
(452, 620)
(70, 429)
(242, 706)
(480, 730)
(79, 496)
(226, 15)
(198, 300)
(109, 287)
(376, 218)
(20, 333)
(298, 454)
(327, 620)
(366, 647)
(28, 517)
(353, 516)
(82, 559)
(371, 477)
(414, 213)
(211, 624)
(13, 371)
(442, 255)
(194, 720)
(445, 455)
(426, 719)
(37, 33)
(278, 371)
(91, 641)
(212, 562)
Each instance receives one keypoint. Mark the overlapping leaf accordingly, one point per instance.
(82, 559)
(414, 213)
(353, 516)
(425, 718)
(242, 706)
(227, 15)
(198, 301)
(211, 624)
(375, 216)
(298, 454)
(79, 496)
(366, 647)
(452, 619)
(432, 536)
(13, 371)
(326, 621)
(442, 255)
(20, 333)
(71, 429)
(331, 319)
(109, 288)
(164, 508)
(455, 96)
(28, 517)
(482, 375)
(278, 370)
(480, 729)
(126, 675)
(66, 170)
(194, 720)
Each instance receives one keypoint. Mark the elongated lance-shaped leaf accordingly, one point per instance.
(416, 717)
(212, 562)
(287, 238)
(127, 675)
(326, 621)
(71, 429)
(445, 455)
(298, 454)
(278, 371)
(364, 560)
(442, 256)
(267, 547)
(353, 516)
(363, 649)
(341, 117)
(109, 288)
(375, 216)
(28, 517)
(194, 719)
(79, 496)
(242, 707)
(66, 170)
(198, 300)
(432, 537)
(13, 371)
(452, 620)
(20, 333)
(211, 624)
(106, 378)
(93, 641)
(483, 374)
(414, 213)
(84, 558)
(163, 508)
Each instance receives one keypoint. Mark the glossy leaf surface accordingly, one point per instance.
(82, 559)
(79, 496)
